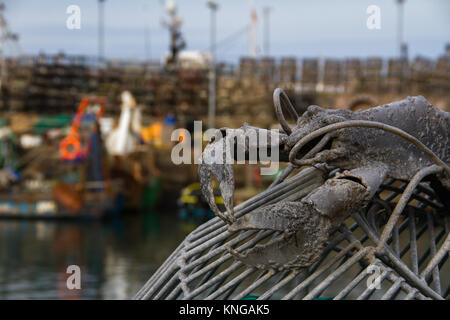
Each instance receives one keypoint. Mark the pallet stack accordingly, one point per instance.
(397, 75)
(14, 91)
(267, 69)
(352, 75)
(288, 72)
(420, 73)
(333, 75)
(440, 79)
(310, 74)
(372, 75)
(57, 84)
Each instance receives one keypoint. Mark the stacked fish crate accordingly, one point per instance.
(288, 72)
(333, 75)
(352, 75)
(14, 91)
(372, 75)
(420, 72)
(57, 84)
(397, 75)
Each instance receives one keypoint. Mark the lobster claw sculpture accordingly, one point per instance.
(218, 157)
(405, 140)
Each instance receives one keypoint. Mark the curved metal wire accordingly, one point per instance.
(278, 94)
(363, 123)
(202, 268)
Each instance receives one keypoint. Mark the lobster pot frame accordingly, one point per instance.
(395, 248)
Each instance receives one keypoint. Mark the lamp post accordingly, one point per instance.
(101, 33)
(212, 71)
(400, 27)
(146, 34)
(267, 11)
(2, 57)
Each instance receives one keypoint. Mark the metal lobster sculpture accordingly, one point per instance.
(406, 140)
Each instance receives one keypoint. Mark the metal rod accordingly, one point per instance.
(212, 70)
(400, 27)
(267, 11)
(403, 201)
(101, 33)
(413, 243)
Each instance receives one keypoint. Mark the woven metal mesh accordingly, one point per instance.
(372, 255)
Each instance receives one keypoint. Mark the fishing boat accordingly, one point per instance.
(65, 178)
(192, 207)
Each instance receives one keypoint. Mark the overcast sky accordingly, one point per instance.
(297, 27)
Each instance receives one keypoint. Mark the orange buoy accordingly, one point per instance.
(70, 148)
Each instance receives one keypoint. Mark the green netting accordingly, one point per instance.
(46, 123)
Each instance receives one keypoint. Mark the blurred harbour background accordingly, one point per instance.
(115, 257)
(86, 115)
